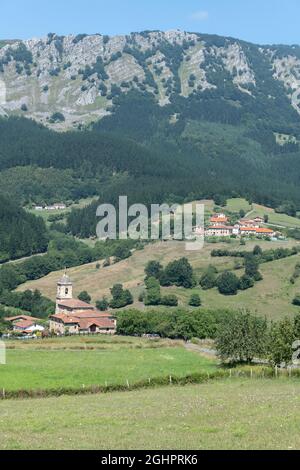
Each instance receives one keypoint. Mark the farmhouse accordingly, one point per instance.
(219, 231)
(25, 324)
(218, 219)
(73, 316)
(257, 231)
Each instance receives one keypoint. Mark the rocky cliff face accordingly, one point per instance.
(68, 81)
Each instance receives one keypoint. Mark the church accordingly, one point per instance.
(72, 316)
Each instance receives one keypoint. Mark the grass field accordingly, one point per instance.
(281, 220)
(130, 273)
(29, 369)
(271, 297)
(236, 414)
(237, 204)
(46, 214)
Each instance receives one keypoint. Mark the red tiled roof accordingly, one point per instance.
(220, 227)
(21, 317)
(64, 318)
(75, 303)
(84, 324)
(24, 324)
(264, 230)
(91, 314)
(219, 219)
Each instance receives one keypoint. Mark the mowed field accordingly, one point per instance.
(29, 367)
(230, 414)
(271, 297)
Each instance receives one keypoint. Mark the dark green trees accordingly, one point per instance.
(241, 338)
(195, 300)
(228, 283)
(84, 297)
(120, 297)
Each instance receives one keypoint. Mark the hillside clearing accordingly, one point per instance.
(236, 414)
(130, 273)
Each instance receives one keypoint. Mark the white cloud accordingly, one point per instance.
(200, 15)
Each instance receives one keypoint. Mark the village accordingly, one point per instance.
(71, 317)
(219, 226)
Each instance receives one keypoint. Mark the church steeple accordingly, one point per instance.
(64, 288)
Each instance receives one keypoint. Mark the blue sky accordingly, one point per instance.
(260, 21)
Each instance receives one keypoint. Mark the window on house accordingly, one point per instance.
(67, 291)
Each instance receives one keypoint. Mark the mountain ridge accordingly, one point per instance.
(70, 81)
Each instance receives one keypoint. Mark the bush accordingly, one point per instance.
(102, 305)
(121, 298)
(209, 278)
(228, 283)
(57, 117)
(85, 297)
(296, 300)
(169, 300)
(195, 300)
(152, 296)
(246, 282)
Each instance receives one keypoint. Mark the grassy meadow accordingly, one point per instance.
(230, 414)
(31, 368)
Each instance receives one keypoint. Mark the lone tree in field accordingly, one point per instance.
(228, 283)
(209, 278)
(281, 339)
(152, 296)
(85, 297)
(153, 269)
(102, 305)
(241, 338)
(195, 300)
(120, 297)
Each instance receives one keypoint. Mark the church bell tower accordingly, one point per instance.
(64, 288)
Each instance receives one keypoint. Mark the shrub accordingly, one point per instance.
(209, 278)
(195, 300)
(246, 282)
(169, 300)
(228, 283)
(57, 117)
(85, 297)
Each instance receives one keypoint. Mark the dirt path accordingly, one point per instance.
(201, 350)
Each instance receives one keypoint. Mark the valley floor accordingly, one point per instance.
(231, 414)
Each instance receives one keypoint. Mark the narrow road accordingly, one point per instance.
(197, 348)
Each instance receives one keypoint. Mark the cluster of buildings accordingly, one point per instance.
(25, 325)
(219, 227)
(72, 316)
(54, 207)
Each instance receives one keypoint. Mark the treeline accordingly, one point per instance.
(29, 301)
(260, 255)
(21, 234)
(245, 337)
(176, 323)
